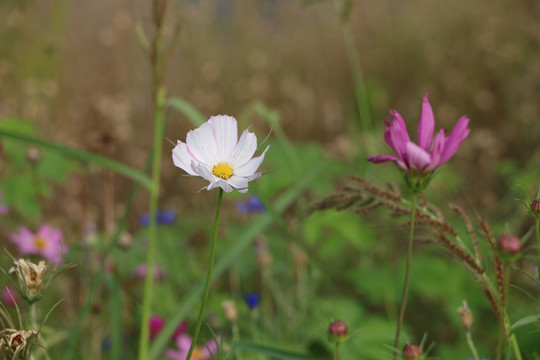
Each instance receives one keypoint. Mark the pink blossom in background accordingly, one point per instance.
(159, 273)
(46, 242)
(183, 342)
(10, 296)
(430, 152)
(156, 324)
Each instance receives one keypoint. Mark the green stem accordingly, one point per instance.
(407, 277)
(471, 346)
(28, 315)
(512, 339)
(336, 351)
(208, 276)
(537, 231)
(160, 95)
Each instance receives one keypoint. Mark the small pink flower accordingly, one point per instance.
(159, 273)
(430, 152)
(10, 296)
(183, 342)
(156, 324)
(46, 242)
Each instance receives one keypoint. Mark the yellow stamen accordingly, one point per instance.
(222, 171)
(198, 354)
(40, 242)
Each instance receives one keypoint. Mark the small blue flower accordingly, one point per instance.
(163, 217)
(252, 300)
(252, 205)
(166, 217)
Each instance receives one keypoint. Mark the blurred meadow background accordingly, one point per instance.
(317, 77)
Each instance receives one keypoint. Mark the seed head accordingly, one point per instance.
(466, 316)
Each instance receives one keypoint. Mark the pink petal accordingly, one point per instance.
(426, 125)
(458, 134)
(417, 158)
(438, 146)
(396, 134)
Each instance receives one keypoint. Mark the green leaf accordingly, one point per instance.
(527, 320)
(193, 115)
(273, 352)
(116, 166)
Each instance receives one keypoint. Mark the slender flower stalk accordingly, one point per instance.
(208, 275)
(157, 61)
(537, 232)
(403, 306)
(336, 351)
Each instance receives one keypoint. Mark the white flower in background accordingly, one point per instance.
(214, 152)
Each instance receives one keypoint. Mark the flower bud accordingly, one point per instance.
(412, 352)
(466, 316)
(337, 331)
(30, 278)
(509, 244)
(17, 344)
(535, 206)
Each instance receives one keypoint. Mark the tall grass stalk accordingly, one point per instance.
(537, 232)
(407, 276)
(208, 275)
(159, 94)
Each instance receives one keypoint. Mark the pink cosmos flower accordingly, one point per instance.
(46, 242)
(199, 353)
(430, 153)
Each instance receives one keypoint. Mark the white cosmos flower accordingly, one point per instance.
(214, 152)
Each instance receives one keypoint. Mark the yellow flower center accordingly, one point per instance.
(198, 354)
(222, 171)
(40, 242)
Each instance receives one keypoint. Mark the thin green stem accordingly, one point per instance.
(471, 346)
(407, 276)
(160, 95)
(28, 315)
(336, 351)
(537, 231)
(208, 275)
(512, 339)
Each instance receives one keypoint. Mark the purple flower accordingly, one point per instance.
(183, 342)
(46, 242)
(252, 205)
(431, 152)
(159, 273)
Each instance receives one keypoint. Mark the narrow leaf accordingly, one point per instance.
(273, 352)
(116, 166)
(193, 115)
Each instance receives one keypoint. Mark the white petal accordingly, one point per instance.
(251, 166)
(222, 184)
(244, 150)
(182, 158)
(238, 182)
(226, 134)
(201, 144)
(204, 172)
